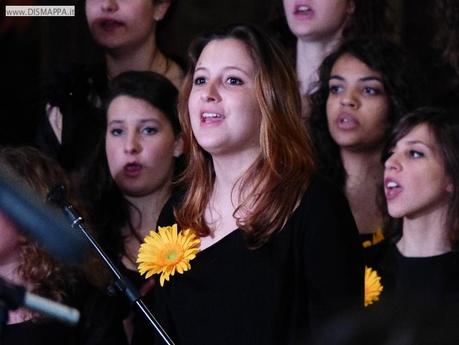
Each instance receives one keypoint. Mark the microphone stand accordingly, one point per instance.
(121, 282)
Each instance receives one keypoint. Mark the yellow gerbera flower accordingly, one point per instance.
(373, 286)
(167, 251)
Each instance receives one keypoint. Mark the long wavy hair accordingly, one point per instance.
(444, 125)
(45, 275)
(401, 82)
(283, 170)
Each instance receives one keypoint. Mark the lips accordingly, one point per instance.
(132, 169)
(392, 188)
(303, 10)
(208, 117)
(347, 121)
(109, 24)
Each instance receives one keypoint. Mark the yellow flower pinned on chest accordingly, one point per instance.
(166, 251)
(373, 286)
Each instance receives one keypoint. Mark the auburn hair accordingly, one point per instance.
(281, 173)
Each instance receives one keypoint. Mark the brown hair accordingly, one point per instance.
(44, 274)
(283, 170)
(444, 126)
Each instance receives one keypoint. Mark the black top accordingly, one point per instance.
(305, 274)
(429, 280)
(143, 330)
(98, 324)
(420, 296)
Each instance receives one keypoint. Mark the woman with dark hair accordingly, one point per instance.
(130, 181)
(363, 88)
(123, 35)
(419, 264)
(279, 252)
(23, 261)
(320, 26)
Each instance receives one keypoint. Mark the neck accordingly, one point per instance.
(146, 209)
(362, 167)
(309, 56)
(230, 168)
(425, 236)
(143, 57)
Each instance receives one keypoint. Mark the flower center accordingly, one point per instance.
(172, 255)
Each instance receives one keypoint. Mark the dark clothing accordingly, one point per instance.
(144, 331)
(98, 324)
(280, 293)
(420, 295)
(77, 91)
(410, 281)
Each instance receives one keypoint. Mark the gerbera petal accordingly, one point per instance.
(373, 286)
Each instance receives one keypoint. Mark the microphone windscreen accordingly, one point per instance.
(48, 226)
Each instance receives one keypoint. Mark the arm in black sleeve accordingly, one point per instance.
(333, 253)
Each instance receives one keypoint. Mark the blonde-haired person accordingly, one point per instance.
(279, 252)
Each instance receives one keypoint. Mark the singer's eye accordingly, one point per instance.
(150, 130)
(116, 132)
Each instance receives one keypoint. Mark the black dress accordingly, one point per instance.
(307, 273)
(98, 324)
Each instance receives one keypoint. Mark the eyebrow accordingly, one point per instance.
(142, 121)
(419, 142)
(224, 68)
(369, 78)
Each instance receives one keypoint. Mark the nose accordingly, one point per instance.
(349, 99)
(392, 163)
(109, 5)
(132, 144)
(210, 93)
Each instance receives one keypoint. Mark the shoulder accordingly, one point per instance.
(325, 212)
(323, 195)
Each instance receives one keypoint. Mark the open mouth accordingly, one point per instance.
(208, 117)
(302, 9)
(393, 189)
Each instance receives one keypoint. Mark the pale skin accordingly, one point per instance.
(422, 194)
(127, 47)
(130, 44)
(140, 146)
(318, 26)
(224, 82)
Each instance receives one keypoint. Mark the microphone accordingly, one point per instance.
(15, 296)
(46, 225)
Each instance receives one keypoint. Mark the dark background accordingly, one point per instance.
(31, 46)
